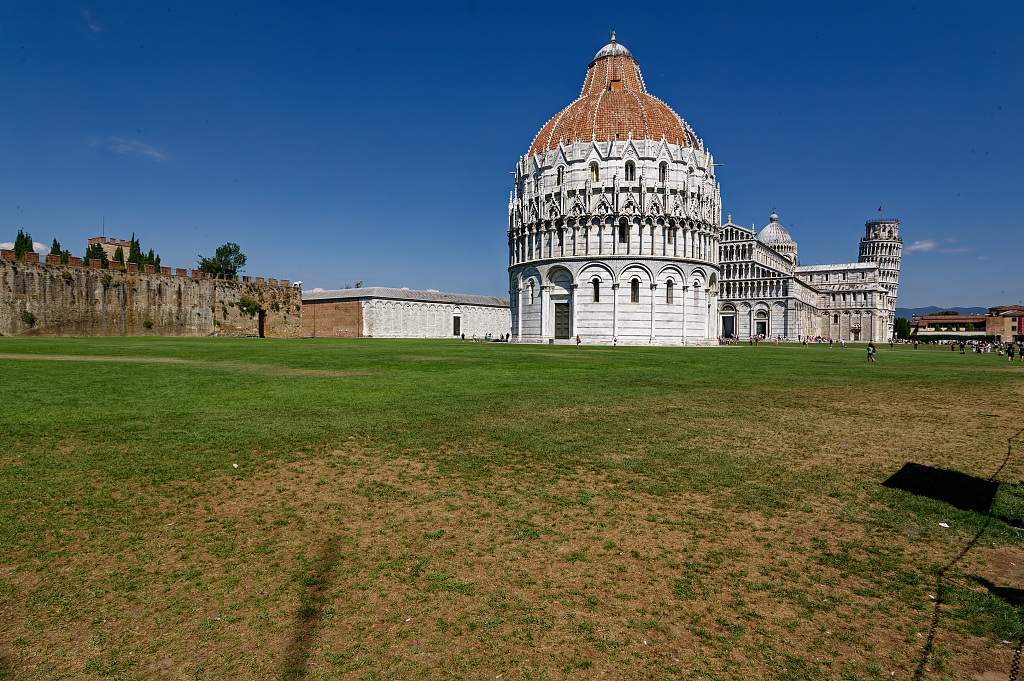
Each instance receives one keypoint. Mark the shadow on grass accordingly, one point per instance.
(1014, 597)
(969, 493)
(308, 618)
(6, 667)
(966, 492)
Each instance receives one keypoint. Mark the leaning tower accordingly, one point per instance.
(882, 244)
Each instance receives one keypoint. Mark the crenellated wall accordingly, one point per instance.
(48, 298)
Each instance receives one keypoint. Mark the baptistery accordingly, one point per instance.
(614, 221)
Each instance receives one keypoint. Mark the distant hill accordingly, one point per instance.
(909, 312)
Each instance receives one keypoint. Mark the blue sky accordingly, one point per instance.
(373, 141)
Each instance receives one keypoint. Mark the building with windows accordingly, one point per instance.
(1004, 323)
(613, 223)
(767, 293)
(380, 312)
(615, 235)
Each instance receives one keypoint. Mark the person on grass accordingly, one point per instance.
(871, 352)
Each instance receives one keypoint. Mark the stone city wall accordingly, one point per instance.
(48, 298)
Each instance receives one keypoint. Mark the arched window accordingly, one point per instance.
(670, 233)
(531, 293)
(559, 175)
(634, 291)
(630, 171)
(596, 283)
(595, 174)
(669, 290)
(835, 319)
(663, 172)
(623, 233)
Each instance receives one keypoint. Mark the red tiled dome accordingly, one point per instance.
(614, 104)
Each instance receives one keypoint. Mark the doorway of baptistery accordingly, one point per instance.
(563, 325)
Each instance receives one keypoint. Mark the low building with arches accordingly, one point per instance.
(614, 220)
(381, 312)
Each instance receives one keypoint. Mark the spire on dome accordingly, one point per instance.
(613, 49)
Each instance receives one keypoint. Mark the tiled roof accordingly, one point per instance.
(614, 104)
(403, 294)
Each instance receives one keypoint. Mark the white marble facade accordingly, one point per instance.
(615, 240)
(418, 319)
(766, 292)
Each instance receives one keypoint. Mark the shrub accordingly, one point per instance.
(28, 318)
(148, 323)
(68, 278)
(106, 279)
(248, 307)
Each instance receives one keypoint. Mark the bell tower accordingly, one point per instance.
(882, 244)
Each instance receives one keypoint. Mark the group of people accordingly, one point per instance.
(489, 337)
(1009, 349)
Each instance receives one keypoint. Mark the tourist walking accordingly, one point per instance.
(871, 352)
(1009, 353)
(579, 341)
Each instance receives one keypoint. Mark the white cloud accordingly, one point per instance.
(127, 146)
(91, 22)
(933, 246)
(41, 249)
(315, 290)
(922, 246)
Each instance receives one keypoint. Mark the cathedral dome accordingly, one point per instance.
(613, 104)
(774, 234)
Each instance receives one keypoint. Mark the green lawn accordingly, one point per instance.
(217, 508)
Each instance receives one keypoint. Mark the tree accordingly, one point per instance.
(95, 252)
(135, 252)
(22, 244)
(226, 262)
(119, 256)
(947, 313)
(901, 327)
(65, 254)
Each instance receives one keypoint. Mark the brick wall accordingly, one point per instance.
(326, 319)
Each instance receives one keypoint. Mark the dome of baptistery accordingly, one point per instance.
(613, 104)
(614, 220)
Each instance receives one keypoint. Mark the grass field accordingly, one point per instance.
(213, 508)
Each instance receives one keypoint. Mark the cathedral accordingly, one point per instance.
(615, 235)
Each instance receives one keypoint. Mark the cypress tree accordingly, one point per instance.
(22, 244)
